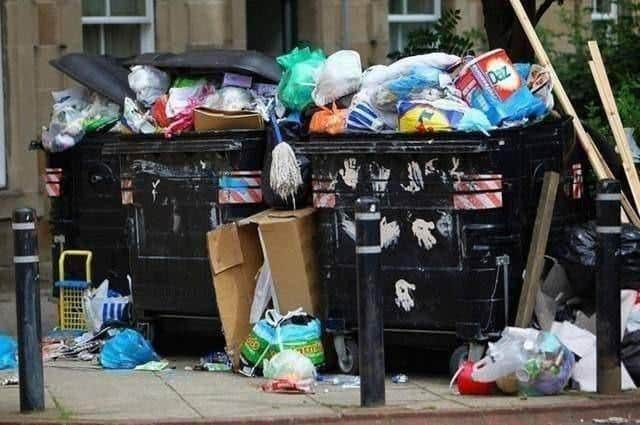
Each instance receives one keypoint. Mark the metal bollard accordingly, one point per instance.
(370, 302)
(608, 287)
(25, 245)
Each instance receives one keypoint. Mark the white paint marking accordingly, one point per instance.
(445, 225)
(404, 299)
(379, 177)
(454, 170)
(389, 233)
(422, 231)
(154, 191)
(416, 183)
(349, 172)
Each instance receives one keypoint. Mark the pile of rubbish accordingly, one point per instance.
(417, 94)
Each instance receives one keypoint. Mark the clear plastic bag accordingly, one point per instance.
(289, 364)
(148, 83)
(262, 294)
(340, 75)
(505, 356)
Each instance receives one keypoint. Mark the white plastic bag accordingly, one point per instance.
(66, 127)
(181, 98)
(289, 364)
(262, 294)
(505, 356)
(99, 307)
(340, 75)
(148, 83)
(135, 119)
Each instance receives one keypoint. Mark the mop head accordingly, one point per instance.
(285, 174)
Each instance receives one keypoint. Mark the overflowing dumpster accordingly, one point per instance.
(457, 212)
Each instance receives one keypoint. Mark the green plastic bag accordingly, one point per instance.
(298, 80)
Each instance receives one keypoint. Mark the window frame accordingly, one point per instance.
(599, 16)
(146, 24)
(413, 18)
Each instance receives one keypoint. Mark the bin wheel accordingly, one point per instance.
(348, 358)
(459, 355)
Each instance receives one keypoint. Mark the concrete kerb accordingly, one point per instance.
(626, 406)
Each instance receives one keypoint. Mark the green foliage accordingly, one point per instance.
(440, 37)
(619, 42)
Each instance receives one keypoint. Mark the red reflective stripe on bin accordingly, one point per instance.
(52, 182)
(486, 192)
(578, 184)
(245, 173)
(126, 190)
(240, 196)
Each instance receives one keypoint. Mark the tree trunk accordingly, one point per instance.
(504, 30)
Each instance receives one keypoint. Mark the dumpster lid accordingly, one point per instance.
(102, 74)
(249, 62)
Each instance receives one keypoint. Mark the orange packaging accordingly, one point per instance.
(331, 121)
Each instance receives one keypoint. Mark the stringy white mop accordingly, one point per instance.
(285, 176)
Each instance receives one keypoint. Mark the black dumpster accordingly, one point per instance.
(86, 210)
(457, 213)
(178, 190)
(84, 186)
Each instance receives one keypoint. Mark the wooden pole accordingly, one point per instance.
(595, 158)
(611, 109)
(535, 260)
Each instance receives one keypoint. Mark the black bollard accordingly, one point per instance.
(25, 245)
(608, 287)
(370, 302)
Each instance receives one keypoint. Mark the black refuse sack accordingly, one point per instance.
(630, 355)
(302, 195)
(576, 250)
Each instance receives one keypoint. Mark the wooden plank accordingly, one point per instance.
(595, 158)
(535, 260)
(611, 109)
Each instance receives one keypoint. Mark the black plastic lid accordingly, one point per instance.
(102, 74)
(248, 62)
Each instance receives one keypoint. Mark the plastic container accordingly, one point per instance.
(178, 190)
(457, 215)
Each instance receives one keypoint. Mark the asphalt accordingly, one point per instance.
(77, 392)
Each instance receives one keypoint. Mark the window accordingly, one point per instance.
(3, 156)
(118, 27)
(604, 10)
(406, 16)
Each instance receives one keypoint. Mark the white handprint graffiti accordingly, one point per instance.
(416, 182)
(422, 231)
(349, 172)
(403, 295)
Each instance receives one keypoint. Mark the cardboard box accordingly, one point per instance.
(286, 239)
(235, 255)
(205, 119)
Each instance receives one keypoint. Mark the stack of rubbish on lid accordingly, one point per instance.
(156, 101)
(417, 94)
(191, 103)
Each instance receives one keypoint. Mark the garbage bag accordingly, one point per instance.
(296, 330)
(362, 116)
(104, 304)
(135, 119)
(301, 67)
(148, 83)
(340, 75)
(505, 356)
(126, 350)
(232, 99)
(289, 364)
(547, 367)
(330, 121)
(66, 127)
(576, 250)
(630, 355)
(440, 115)
(414, 85)
(8, 352)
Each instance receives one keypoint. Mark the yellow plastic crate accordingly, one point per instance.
(71, 305)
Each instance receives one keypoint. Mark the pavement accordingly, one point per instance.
(77, 392)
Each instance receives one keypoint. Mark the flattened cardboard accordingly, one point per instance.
(205, 119)
(234, 279)
(289, 241)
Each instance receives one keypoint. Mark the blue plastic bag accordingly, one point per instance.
(126, 350)
(8, 352)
